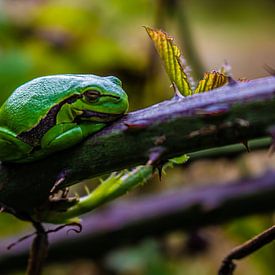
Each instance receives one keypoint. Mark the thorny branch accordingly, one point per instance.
(125, 222)
(234, 114)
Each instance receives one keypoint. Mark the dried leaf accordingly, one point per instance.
(211, 81)
(172, 59)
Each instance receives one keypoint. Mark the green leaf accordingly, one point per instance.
(179, 160)
(175, 161)
(172, 59)
(116, 185)
(210, 81)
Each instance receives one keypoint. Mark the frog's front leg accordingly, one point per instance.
(65, 135)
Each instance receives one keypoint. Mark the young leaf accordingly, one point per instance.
(211, 81)
(175, 161)
(116, 185)
(179, 160)
(171, 57)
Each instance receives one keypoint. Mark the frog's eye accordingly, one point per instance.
(91, 95)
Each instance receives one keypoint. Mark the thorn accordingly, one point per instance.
(271, 150)
(177, 93)
(160, 171)
(232, 81)
(269, 69)
(245, 143)
(136, 126)
(155, 155)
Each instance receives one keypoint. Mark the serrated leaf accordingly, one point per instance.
(175, 161)
(210, 81)
(171, 57)
(179, 160)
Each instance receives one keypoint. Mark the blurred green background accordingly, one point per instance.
(107, 38)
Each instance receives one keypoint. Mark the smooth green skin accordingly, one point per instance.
(31, 102)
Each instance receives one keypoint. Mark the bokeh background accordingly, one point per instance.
(107, 38)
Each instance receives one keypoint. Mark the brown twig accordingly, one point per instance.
(246, 249)
(39, 249)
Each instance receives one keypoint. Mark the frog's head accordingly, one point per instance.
(100, 98)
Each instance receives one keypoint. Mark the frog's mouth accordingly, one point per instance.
(98, 116)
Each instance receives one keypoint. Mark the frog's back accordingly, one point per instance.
(31, 102)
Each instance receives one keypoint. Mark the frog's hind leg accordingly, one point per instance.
(11, 147)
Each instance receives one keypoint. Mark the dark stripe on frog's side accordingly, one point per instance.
(34, 135)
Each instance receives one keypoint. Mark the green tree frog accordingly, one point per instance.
(52, 113)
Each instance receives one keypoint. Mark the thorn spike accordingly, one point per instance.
(245, 143)
(232, 81)
(160, 171)
(177, 93)
(271, 150)
(136, 125)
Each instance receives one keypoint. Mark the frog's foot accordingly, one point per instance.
(11, 147)
(61, 200)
